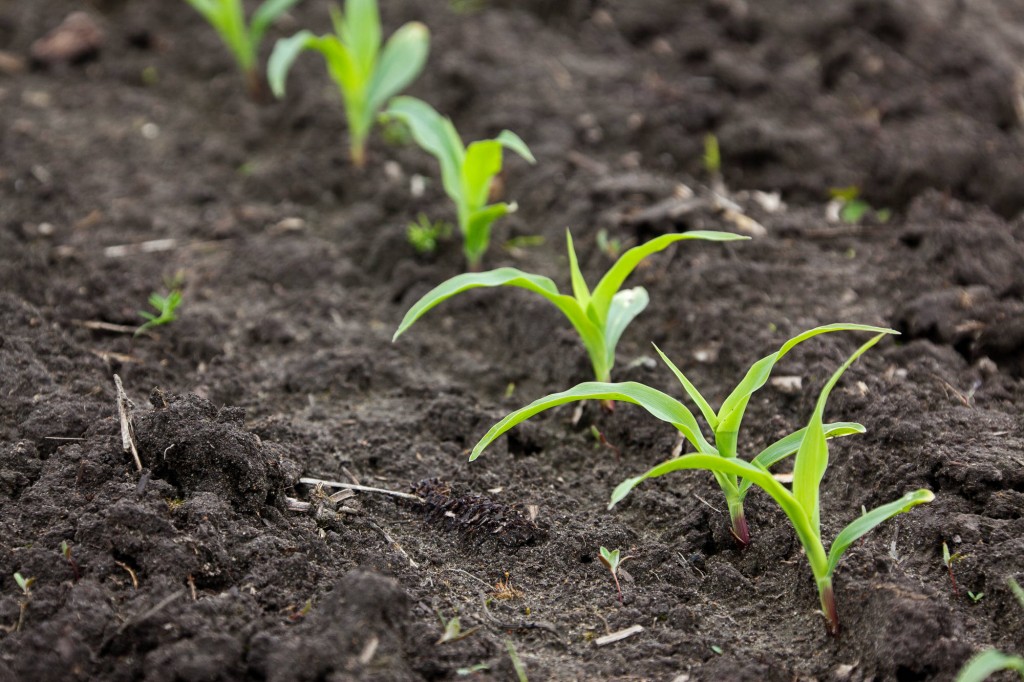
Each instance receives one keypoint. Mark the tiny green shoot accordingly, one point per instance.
(453, 631)
(612, 559)
(717, 649)
(25, 585)
(466, 171)
(725, 424)
(165, 307)
(853, 209)
(712, 156)
(608, 246)
(599, 316)
(975, 596)
(948, 560)
(228, 18)
(65, 551)
(991, 661)
(366, 75)
(472, 670)
(516, 662)
(423, 235)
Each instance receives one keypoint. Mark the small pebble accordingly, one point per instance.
(76, 39)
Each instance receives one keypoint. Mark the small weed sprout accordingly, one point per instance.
(366, 75)
(228, 18)
(991, 661)
(25, 585)
(725, 423)
(712, 156)
(65, 551)
(165, 307)
(466, 171)
(453, 631)
(948, 560)
(851, 208)
(975, 596)
(612, 559)
(423, 235)
(599, 316)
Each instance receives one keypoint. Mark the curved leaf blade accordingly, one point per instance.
(626, 305)
(285, 52)
(730, 414)
(784, 447)
(579, 285)
(867, 522)
(658, 404)
(512, 142)
(437, 136)
(401, 61)
(812, 455)
(691, 390)
(265, 15)
(987, 663)
(617, 274)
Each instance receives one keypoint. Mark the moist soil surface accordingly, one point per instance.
(142, 159)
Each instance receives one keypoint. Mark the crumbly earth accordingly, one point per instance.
(216, 563)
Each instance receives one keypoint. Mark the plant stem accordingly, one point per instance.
(828, 606)
(739, 528)
(255, 86)
(357, 150)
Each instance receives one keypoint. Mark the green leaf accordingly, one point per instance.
(866, 522)
(812, 455)
(401, 61)
(987, 663)
(477, 232)
(481, 163)
(265, 15)
(360, 32)
(512, 142)
(617, 274)
(691, 390)
(436, 135)
(580, 290)
(660, 405)
(784, 447)
(626, 305)
(730, 414)
(285, 52)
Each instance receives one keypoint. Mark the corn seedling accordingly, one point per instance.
(366, 75)
(228, 18)
(599, 316)
(724, 424)
(612, 559)
(423, 235)
(466, 172)
(802, 503)
(165, 307)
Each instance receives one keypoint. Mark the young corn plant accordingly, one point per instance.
(724, 424)
(599, 316)
(228, 18)
(802, 504)
(466, 172)
(366, 75)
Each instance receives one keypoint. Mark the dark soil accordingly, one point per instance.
(297, 271)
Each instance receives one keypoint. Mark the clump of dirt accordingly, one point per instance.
(200, 448)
